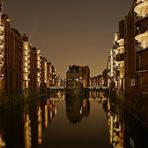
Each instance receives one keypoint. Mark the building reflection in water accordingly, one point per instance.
(46, 116)
(23, 127)
(98, 96)
(27, 130)
(58, 95)
(115, 125)
(52, 109)
(77, 107)
(36, 119)
(124, 130)
(2, 142)
(39, 125)
(94, 94)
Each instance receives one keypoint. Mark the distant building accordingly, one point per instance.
(53, 76)
(85, 74)
(94, 81)
(73, 77)
(48, 74)
(63, 82)
(78, 77)
(97, 81)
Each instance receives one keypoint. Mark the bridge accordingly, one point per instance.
(97, 87)
(57, 88)
(90, 88)
(57, 98)
(97, 99)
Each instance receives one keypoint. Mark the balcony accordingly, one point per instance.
(2, 34)
(120, 50)
(122, 64)
(139, 1)
(121, 42)
(1, 65)
(38, 52)
(2, 38)
(143, 40)
(38, 63)
(26, 52)
(1, 28)
(26, 67)
(1, 76)
(26, 75)
(1, 55)
(141, 8)
(139, 48)
(1, 43)
(26, 71)
(1, 50)
(25, 58)
(28, 56)
(26, 64)
(26, 45)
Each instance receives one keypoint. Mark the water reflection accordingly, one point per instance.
(25, 126)
(2, 142)
(27, 130)
(124, 129)
(77, 107)
(115, 125)
(98, 96)
(39, 121)
(46, 116)
(57, 95)
(36, 119)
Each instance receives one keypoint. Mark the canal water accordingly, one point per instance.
(71, 121)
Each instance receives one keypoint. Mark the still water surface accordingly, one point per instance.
(71, 121)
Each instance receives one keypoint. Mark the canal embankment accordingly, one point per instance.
(134, 103)
(13, 100)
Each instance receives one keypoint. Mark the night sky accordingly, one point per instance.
(69, 31)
